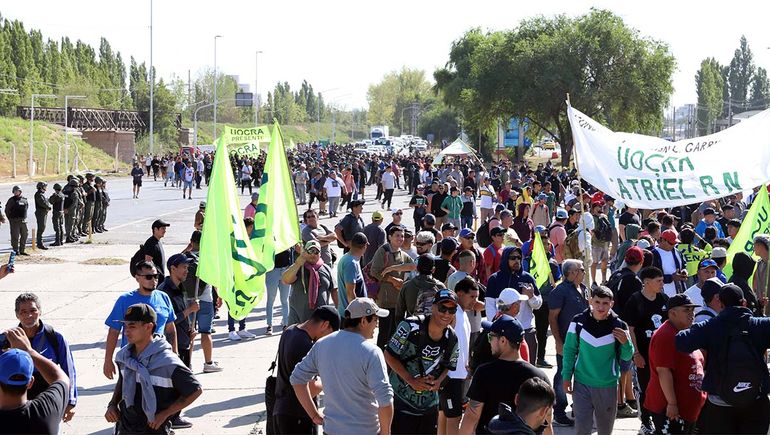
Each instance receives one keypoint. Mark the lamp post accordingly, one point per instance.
(215, 85)
(152, 89)
(32, 128)
(318, 110)
(256, 91)
(66, 126)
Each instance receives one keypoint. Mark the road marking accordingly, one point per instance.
(153, 218)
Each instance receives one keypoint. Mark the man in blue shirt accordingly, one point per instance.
(709, 220)
(147, 278)
(49, 343)
(350, 279)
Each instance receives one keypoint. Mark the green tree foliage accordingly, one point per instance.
(294, 107)
(741, 75)
(760, 91)
(400, 93)
(611, 73)
(710, 85)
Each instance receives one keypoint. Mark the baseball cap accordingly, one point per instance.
(426, 263)
(680, 300)
(706, 263)
(719, 252)
(711, 287)
(731, 295)
(356, 203)
(505, 326)
(709, 211)
(540, 229)
(448, 226)
(408, 232)
(396, 211)
(203, 204)
(140, 313)
(497, 230)
(160, 223)
(596, 204)
(499, 208)
(377, 216)
(561, 214)
(330, 314)
(16, 189)
(669, 236)
(254, 195)
(510, 296)
(362, 307)
(359, 239)
(541, 197)
(176, 260)
(643, 243)
(16, 367)
(429, 219)
(445, 295)
(448, 243)
(312, 244)
(634, 255)
(467, 233)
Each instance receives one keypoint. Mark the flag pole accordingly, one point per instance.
(582, 205)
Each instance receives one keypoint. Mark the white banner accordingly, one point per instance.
(649, 172)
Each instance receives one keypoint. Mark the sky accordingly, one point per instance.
(342, 47)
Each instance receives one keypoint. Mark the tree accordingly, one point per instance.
(741, 75)
(610, 72)
(398, 94)
(760, 91)
(709, 85)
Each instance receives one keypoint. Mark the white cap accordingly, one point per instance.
(510, 296)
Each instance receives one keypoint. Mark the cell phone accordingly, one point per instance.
(11, 261)
(3, 340)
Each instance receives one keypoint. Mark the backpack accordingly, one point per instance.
(572, 246)
(603, 229)
(372, 284)
(613, 283)
(482, 234)
(741, 369)
(706, 313)
(420, 339)
(138, 257)
(579, 329)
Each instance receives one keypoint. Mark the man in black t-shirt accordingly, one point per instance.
(627, 217)
(351, 224)
(288, 415)
(41, 414)
(137, 173)
(498, 381)
(153, 247)
(644, 313)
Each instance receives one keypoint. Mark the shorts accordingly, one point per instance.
(625, 366)
(188, 184)
(600, 253)
(451, 398)
(205, 317)
(138, 183)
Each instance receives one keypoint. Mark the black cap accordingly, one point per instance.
(448, 226)
(709, 211)
(680, 300)
(176, 260)
(448, 244)
(731, 295)
(330, 314)
(359, 239)
(497, 230)
(711, 287)
(506, 326)
(160, 223)
(429, 219)
(356, 203)
(445, 295)
(140, 313)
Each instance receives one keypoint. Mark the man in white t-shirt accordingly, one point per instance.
(707, 268)
(388, 181)
(487, 199)
(333, 187)
(669, 259)
(453, 391)
(189, 176)
(246, 171)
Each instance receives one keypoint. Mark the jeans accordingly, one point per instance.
(231, 324)
(301, 193)
(334, 204)
(467, 221)
(274, 285)
(560, 408)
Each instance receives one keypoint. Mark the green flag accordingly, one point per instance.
(276, 225)
(757, 221)
(227, 260)
(538, 264)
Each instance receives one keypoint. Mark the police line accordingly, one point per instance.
(649, 172)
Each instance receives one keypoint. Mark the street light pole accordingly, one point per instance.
(66, 128)
(152, 89)
(256, 92)
(32, 128)
(215, 85)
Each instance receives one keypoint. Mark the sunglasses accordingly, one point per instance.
(470, 237)
(150, 277)
(491, 336)
(313, 251)
(445, 309)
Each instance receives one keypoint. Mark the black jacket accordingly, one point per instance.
(743, 267)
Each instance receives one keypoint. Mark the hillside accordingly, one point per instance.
(300, 133)
(15, 131)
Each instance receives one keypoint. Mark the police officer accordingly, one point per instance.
(57, 216)
(70, 208)
(90, 199)
(16, 210)
(97, 205)
(42, 207)
(105, 203)
(81, 196)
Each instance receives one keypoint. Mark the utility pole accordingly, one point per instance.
(152, 89)
(30, 167)
(256, 92)
(215, 85)
(673, 124)
(66, 127)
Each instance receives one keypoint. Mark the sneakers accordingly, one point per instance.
(563, 421)
(246, 334)
(269, 330)
(234, 336)
(543, 364)
(625, 411)
(179, 423)
(633, 404)
(211, 368)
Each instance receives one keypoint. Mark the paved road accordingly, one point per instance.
(77, 294)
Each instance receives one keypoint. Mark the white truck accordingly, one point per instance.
(379, 131)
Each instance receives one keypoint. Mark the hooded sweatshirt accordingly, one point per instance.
(632, 233)
(412, 289)
(522, 224)
(505, 278)
(743, 267)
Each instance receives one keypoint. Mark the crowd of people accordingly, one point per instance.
(434, 324)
